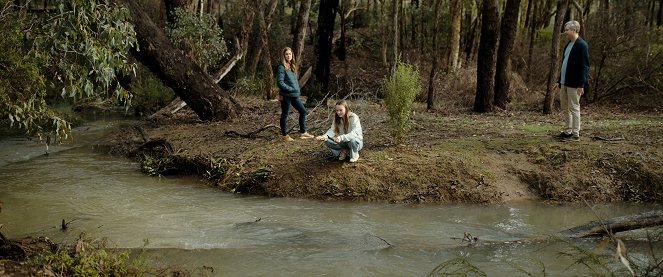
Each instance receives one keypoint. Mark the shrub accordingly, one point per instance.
(90, 258)
(399, 91)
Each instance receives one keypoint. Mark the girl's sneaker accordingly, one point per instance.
(305, 136)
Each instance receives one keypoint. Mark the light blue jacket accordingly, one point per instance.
(354, 130)
(287, 82)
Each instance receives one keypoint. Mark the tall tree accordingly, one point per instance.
(435, 53)
(187, 79)
(508, 30)
(394, 25)
(265, 24)
(659, 18)
(562, 5)
(534, 25)
(451, 57)
(300, 31)
(323, 47)
(483, 102)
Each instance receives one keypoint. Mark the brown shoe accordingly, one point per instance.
(286, 138)
(343, 155)
(305, 136)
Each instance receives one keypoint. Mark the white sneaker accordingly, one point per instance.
(352, 160)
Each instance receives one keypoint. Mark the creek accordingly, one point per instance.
(192, 225)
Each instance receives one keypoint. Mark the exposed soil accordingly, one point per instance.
(446, 158)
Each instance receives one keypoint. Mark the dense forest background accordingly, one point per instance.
(480, 55)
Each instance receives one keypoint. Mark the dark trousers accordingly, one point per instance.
(285, 110)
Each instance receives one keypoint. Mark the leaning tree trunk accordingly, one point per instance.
(562, 5)
(616, 224)
(300, 31)
(323, 47)
(486, 61)
(187, 79)
(508, 30)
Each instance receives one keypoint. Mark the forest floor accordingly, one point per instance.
(458, 157)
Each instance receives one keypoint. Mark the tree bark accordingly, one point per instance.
(532, 38)
(659, 19)
(187, 79)
(456, 11)
(486, 61)
(435, 53)
(323, 47)
(394, 15)
(341, 47)
(615, 224)
(562, 5)
(265, 24)
(508, 30)
(300, 31)
(245, 31)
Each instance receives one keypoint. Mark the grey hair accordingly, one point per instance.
(573, 25)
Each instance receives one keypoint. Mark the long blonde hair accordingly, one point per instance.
(292, 65)
(337, 119)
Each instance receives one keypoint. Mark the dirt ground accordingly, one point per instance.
(459, 157)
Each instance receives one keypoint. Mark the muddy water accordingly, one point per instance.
(189, 224)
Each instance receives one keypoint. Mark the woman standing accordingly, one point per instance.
(286, 80)
(345, 134)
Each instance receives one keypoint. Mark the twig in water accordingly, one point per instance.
(390, 245)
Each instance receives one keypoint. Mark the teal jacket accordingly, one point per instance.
(287, 82)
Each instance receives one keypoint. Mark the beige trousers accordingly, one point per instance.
(570, 102)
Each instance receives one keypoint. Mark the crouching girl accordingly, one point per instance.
(344, 138)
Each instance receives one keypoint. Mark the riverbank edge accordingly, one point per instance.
(460, 167)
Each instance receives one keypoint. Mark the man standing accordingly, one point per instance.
(574, 71)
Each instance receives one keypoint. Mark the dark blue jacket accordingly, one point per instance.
(287, 82)
(577, 67)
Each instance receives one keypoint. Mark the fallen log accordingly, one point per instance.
(615, 225)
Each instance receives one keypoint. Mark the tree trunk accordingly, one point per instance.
(508, 30)
(394, 17)
(245, 31)
(615, 224)
(456, 11)
(341, 45)
(532, 38)
(486, 60)
(659, 19)
(300, 31)
(401, 25)
(562, 5)
(323, 48)
(435, 54)
(186, 78)
(265, 22)
(528, 14)
(471, 36)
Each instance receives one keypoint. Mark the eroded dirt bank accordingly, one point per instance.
(458, 158)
